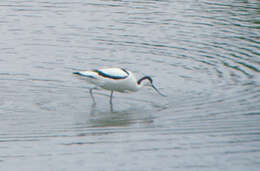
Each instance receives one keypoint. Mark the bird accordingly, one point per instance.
(115, 79)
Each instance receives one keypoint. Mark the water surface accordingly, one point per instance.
(203, 54)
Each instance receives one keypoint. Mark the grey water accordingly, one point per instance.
(204, 54)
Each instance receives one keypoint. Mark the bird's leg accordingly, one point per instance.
(111, 108)
(111, 96)
(111, 103)
(91, 94)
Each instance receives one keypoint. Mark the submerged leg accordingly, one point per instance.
(92, 97)
(111, 103)
(111, 96)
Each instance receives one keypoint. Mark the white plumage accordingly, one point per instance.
(114, 79)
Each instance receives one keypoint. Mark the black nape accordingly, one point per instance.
(144, 78)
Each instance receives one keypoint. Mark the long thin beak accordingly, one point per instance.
(158, 91)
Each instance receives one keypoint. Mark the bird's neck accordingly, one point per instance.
(141, 80)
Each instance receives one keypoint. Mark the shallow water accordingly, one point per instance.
(203, 54)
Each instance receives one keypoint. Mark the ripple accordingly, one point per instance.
(202, 54)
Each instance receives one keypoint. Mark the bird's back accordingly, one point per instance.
(109, 73)
(113, 73)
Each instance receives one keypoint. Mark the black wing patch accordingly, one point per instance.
(111, 76)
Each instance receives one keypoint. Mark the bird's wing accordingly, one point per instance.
(112, 73)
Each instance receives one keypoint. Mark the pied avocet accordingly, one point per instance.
(115, 79)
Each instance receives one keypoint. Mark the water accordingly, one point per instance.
(203, 54)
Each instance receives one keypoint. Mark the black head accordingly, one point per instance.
(151, 81)
(145, 78)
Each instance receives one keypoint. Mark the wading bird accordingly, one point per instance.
(115, 79)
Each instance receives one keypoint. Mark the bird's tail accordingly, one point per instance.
(84, 74)
(76, 73)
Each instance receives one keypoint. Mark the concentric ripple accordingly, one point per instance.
(203, 54)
